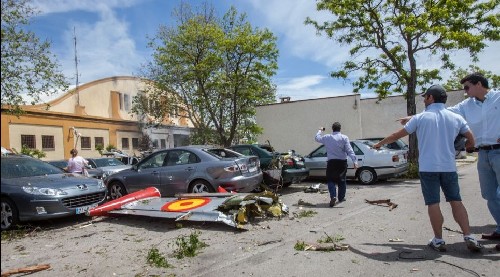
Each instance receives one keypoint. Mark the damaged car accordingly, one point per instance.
(188, 169)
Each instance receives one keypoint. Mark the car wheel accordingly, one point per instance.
(200, 186)
(367, 176)
(10, 215)
(116, 190)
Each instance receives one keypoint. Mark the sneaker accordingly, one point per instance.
(439, 246)
(472, 244)
(332, 201)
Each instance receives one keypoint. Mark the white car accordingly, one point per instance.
(372, 164)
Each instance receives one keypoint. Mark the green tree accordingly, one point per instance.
(219, 69)
(454, 82)
(387, 36)
(28, 67)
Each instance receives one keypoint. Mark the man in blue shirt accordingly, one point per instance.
(338, 148)
(482, 112)
(436, 130)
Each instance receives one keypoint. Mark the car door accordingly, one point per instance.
(360, 155)
(147, 173)
(316, 162)
(178, 171)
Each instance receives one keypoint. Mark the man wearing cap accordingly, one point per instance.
(436, 129)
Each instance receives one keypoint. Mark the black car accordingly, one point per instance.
(35, 190)
(292, 165)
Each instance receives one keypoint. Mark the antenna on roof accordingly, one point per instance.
(76, 69)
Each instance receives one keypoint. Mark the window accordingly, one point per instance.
(126, 102)
(98, 141)
(120, 100)
(48, 143)
(125, 144)
(135, 143)
(28, 141)
(155, 143)
(163, 143)
(85, 142)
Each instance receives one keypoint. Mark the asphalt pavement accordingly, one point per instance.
(382, 242)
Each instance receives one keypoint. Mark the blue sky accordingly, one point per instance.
(112, 37)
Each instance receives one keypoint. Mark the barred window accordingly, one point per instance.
(135, 143)
(98, 141)
(85, 142)
(28, 141)
(163, 143)
(125, 143)
(48, 143)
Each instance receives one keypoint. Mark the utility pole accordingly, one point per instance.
(76, 70)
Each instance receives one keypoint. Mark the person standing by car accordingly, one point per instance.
(76, 164)
(436, 129)
(338, 148)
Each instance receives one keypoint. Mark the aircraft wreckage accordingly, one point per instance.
(233, 209)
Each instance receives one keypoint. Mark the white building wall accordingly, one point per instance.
(293, 125)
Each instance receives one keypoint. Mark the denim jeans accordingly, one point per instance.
(333, 190)
(488, 168)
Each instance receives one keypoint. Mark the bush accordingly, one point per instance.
(32, 152)
(412, 171)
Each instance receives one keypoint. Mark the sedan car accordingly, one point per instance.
(188, 169)
(372, 164)
(35, 190)
(92, 172)
(108, 165)
(292, 165)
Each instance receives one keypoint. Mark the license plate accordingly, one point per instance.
(84, 209)
(300, 163)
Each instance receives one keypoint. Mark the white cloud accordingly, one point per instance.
(61, 6)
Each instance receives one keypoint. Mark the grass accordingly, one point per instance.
(412, 171)
(300, 246)
(154, 258)
(188, 246)
(329, 239)
(20, 232)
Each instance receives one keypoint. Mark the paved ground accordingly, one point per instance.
(381, 242)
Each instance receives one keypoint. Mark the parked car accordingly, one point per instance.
(397, 145)
(188, 169)
(292, 165)
(35, 190)
(92, 172)
(108, 165)
(125, 159)
(372, 164)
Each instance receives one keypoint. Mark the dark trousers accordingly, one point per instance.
(335, 175)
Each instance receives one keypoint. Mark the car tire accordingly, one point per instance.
(366, 176)
(10, 214)
(200, 186)
(116, 190)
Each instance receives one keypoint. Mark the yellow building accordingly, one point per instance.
(99, 112)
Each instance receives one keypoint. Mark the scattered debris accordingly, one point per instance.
(28, 269)
(383, 202)
(304, 246)
(451, 230)
(314, 188)
(396, 240)
(304, 203)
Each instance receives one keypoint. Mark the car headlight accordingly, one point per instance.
(100, 184)
(43, 191)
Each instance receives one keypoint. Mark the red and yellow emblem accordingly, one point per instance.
(183, 205)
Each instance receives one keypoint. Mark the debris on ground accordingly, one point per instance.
(305, 204)
(27, 270)
(383, 202)
(233, 209)
(396, 240)
(314, 188)
(305, 246)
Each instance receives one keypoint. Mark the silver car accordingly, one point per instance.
(189, 169)
(108, 165)
(372, 164)
(35, 190)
